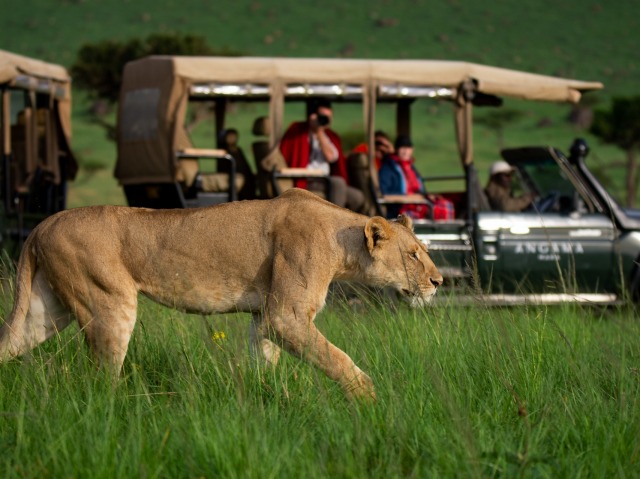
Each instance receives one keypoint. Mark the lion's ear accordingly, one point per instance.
(376, 231)
(405, 221)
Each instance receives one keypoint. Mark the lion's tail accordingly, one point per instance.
(12, 340)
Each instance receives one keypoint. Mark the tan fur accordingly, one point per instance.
(273, 258)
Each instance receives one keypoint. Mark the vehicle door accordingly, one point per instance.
(562, 244)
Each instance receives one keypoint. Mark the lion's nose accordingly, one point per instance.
(437, 280)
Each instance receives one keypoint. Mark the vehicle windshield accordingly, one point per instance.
(546, 177)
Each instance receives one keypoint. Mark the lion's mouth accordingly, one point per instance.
(416, 299)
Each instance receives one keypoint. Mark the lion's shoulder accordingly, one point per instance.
(299, 198)
(299, 194)
(302, 210)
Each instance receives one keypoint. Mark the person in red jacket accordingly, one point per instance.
(314, 145)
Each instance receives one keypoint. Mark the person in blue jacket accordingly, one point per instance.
(399, 176)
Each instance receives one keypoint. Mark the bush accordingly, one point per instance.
(98, 68)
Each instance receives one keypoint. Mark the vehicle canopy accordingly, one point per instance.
(156, 89)
(35, 130)
(36, 77)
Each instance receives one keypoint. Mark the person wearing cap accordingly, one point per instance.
(399, 176)
(314, 145)
(499, 192)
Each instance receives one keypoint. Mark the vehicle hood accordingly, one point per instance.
(632, 213)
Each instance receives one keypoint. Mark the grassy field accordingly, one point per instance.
(526, 392)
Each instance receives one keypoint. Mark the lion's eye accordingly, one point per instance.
(414, 256)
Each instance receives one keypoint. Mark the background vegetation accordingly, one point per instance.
(591, 41)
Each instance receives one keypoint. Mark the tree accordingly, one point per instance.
(98, 67)
(620, 126)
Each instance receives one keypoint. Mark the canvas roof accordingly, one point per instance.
(57, 81)
(12, 65)
(172, 76)
(490, 80)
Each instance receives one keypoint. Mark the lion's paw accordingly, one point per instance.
(361, 388)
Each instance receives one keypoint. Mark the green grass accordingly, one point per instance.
(523, 392)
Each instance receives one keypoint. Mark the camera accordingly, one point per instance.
(323, 120)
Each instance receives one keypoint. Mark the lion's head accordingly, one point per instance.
(400, 260)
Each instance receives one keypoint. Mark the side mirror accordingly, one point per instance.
(578, 151)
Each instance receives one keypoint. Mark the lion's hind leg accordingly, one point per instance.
(45, 317)
(107, 317)
(260, 346)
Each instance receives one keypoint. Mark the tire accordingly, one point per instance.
(634, 286)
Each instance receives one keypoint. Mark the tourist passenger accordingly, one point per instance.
(382, 147)
(499, 189)
(399, 176)
(314, 145)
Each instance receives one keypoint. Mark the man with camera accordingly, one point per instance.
(313, 145)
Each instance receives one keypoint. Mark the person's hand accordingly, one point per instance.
(386, 146)
(383, 147)
(314, 126)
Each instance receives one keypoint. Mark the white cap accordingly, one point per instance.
(501, 167)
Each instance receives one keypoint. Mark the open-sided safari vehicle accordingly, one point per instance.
(37, 159)
(580, 245)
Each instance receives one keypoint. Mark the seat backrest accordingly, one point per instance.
(155, 195)
(260, 149)
(267, 159)
(358, 171)
(359, 175)
(480, 202)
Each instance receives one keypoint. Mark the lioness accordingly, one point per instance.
(272, 258)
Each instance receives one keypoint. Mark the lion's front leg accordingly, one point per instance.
(301, 338)
(295, 297)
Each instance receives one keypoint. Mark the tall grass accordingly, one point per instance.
(531, 392)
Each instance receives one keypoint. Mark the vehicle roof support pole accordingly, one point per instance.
(276, 112)
(220, 110)
(403, 117)
(6, 122)
(464, 137)
(6, 149)
(463, 121)
(31, 127)
(64, 119)
(369, 112)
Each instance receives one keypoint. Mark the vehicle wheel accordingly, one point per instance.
(634, 287)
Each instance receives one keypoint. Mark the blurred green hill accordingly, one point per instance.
(593, 40)
(588, 40)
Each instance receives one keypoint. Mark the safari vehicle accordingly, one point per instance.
(37, 160)
(581, 246)
(574, 242)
